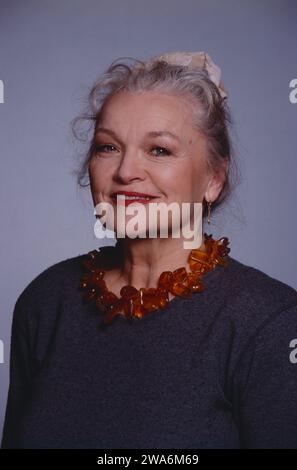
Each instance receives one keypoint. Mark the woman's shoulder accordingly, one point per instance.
(256, 316)
(52, 282)
(252, 298)
(244, 280)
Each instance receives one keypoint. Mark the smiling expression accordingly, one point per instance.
(145, 145)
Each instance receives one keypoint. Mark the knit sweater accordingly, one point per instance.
(218, 370)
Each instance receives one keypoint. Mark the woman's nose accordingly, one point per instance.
(130, 167)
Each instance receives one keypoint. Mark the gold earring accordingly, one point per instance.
(209, 210)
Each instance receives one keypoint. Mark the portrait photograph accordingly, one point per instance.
(148, 227)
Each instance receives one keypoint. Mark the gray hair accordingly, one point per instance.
(211, 114)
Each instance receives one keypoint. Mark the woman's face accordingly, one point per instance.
(146, 143)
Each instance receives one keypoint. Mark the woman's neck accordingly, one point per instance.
(145, 259)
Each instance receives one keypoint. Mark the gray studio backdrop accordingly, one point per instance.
(52, 51)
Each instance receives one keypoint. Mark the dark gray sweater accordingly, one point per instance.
(218, 370)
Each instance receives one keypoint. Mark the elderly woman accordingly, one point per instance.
(148, 343)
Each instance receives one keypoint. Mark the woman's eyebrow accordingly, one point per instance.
(106, 131)
(149, 134)
(160, 133)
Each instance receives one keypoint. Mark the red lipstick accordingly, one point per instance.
(132, 196)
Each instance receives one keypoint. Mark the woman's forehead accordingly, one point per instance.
(150, 112)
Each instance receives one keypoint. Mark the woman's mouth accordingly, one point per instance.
(130, 198)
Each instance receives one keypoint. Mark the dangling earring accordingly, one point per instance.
(209, 210)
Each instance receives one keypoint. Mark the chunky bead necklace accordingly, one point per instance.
(137, 303)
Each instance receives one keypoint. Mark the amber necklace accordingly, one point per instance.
(137, 303)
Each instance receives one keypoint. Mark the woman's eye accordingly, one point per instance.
(104, 148)
(108, 148)
(161, 151)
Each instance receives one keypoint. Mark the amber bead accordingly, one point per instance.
(100, 302)
(90, 295)
(94, 280)
(195, 266)
(128, 307)
(180, 289)
(166, 280)
(128, 292)
(199, 256)
(163, 297)
(180, 275)
(149, 298)
(112, 312)
(195, 283)
(138, 309)
(83, 284)
(97, 276)
(107, 299)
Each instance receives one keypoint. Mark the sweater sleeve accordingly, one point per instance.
(268, 398)
(20, 376)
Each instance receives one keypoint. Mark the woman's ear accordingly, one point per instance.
(216, 182)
